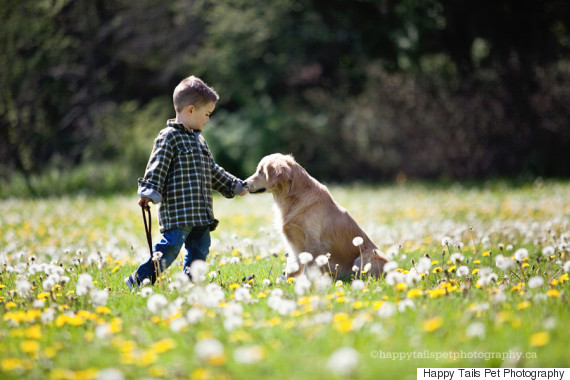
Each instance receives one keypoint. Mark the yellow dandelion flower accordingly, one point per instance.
(343, 326)
(33, 332)
(11, 364)
(234, 286)
(357, 305)
(553, 293)
(103, 310)
(475, 271)
(290, 280)
(486, 253)
(435, 293)
(477, 262)
(539, 339)
(10, 305)
(525, 265)
(163, 345)
(451, 269)
(523, 305)
(43, 295)
(201, 374)
(273, 321)
(436, 270)
(434, 262)
(378, 304)
(30, 347)
(564, 277)
(554, 282)
(414, 293)
(432, 324)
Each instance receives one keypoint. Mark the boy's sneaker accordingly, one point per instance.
(131, 283)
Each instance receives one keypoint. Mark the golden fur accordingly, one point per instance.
(311, 220)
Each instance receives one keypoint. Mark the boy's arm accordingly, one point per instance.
(225, 183)
(151, 185)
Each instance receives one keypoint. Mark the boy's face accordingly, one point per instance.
(197, 117)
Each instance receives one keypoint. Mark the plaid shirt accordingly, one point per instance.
(180, 174)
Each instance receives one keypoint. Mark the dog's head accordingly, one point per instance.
(274, 173)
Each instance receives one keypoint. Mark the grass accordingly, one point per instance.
(228, 328)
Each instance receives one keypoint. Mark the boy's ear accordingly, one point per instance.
(190, 108)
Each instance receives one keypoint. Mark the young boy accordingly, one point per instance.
(180, 174)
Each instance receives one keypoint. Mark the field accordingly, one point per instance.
(479, 279)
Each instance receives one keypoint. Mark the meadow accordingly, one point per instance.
(478, 278)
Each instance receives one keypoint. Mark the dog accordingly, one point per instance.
(310, 219)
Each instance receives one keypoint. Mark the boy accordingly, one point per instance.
(180, 174)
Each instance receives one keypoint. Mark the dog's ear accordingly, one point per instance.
(277, 173)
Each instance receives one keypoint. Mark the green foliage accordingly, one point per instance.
(355, 90)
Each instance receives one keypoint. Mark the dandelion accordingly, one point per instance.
(456, 258)
(446, 241)
(84, 284)
(99, 297)
(535, 282)
(321, 260)
(357, 285)
(305, 258)
(343, 361)
(357, 241)
(462, 271)
(367, 268)
(156, 302)
(23, 287)
(539, 339)
(503, 263)
(476, 329)
(432, 324)
(567, 266)
(249, 355)
(548, 251)
(394, 277)
(424, 265)
(386, 310)
(156, 256)
(521, 254)
(292, 267)
(390, 266)
(210, 350)
(110, 374)
(212, 275)
(198, 270)
(302, 285)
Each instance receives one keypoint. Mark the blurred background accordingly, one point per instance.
(374, 91)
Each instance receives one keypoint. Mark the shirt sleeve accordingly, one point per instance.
(222, 181)
(152, 184)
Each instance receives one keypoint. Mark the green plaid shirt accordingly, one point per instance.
(180, 175)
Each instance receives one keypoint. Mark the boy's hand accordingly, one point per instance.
(144, 202)
(244, 192)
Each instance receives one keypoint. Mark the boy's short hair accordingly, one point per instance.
(193, 90)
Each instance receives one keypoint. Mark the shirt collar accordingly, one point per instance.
(172, 123)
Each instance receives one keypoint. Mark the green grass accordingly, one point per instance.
(450, 315)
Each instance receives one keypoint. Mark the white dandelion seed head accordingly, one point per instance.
(413, 277)
(110, 374)
(209, 348)
(343, 361)
(99, 297)
(446, 241)
(405, 304)
(503, 262)
(357, 241)
(476, 329)
(548, 251)
(23, 287)
(357, 285)
(195, 315)
(386, 310)
(305, 258)
(302, 285)
(390, 266)
(198, 271)
(424, 265)
(145, 292)
(321, 260)
(456, 258)
(394, 278)
(178, 324)
(367, 267)
(521, 254)
(292, 266)
(462, 271)
(248, 355)
(535, 282)
(156, 303)
(213, 274)
(567, 266)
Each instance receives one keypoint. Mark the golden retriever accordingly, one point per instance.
(311, 220)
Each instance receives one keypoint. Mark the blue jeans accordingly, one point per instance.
(196, 240)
